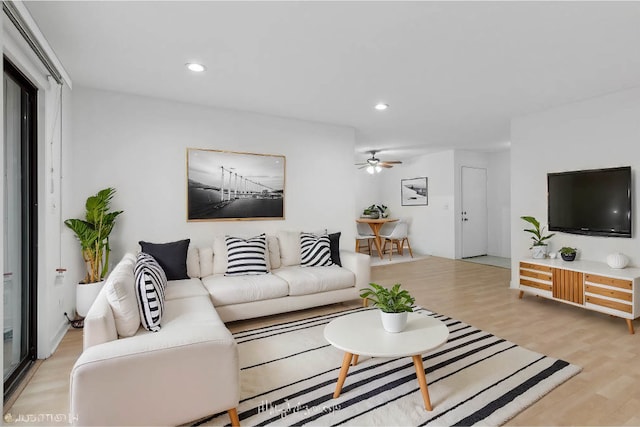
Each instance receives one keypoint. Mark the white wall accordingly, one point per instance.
(432, 228)
(367, 189)
(138, 145)
(499, 203)
(596, 133)
(435, 228)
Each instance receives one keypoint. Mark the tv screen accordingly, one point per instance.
(593, 202)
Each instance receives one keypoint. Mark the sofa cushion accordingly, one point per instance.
(289, 242)
(172, 257)
(193, 262)
(246, 256)
(179, 313)
(186, 288)
(219, 255)
(206, 261)
(311, 280)
(315, 250)
(226, 290)
(274, 253)
(150, 285)
(334, 241)
(121, 295)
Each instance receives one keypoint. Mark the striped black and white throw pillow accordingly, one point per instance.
(315, 251)
(150, 285)
(246, 256)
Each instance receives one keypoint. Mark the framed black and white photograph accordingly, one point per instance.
(414, 192)
(229, 185)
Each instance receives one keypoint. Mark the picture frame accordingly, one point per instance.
(414, 191)
(234, 186)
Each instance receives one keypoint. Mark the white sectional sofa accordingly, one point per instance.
(128, 375)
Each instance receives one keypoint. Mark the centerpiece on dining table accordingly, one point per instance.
(375, 212)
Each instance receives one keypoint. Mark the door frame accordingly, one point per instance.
(29, 209)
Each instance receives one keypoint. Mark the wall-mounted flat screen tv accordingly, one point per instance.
(592, 202)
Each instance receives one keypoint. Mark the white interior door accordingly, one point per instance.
(474, 218)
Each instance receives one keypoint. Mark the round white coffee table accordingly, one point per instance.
(362, 334)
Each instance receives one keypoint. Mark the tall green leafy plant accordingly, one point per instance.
(93, 233)
(537, 232)
(392, 300)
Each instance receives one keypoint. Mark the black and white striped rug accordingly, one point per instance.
(289, 372)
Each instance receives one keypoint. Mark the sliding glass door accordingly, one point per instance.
(20, 226)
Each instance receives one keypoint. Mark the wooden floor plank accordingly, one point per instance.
(602, 394)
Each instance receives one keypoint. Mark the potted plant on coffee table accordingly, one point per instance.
(394, 304)
(93, 234)
(539, 247)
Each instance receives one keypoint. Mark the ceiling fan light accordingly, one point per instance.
(381, 106)
(378, 168)
(370, 169)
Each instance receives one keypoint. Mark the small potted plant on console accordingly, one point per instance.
(539, 247)
(567, 253)
(394, 304)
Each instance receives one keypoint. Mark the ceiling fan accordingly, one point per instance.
(374, 164)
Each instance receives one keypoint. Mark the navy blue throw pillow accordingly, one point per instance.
(172, 257)
(334, 242)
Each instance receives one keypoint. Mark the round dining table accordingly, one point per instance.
(376, 224)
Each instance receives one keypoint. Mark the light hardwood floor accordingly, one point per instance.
(606, 392)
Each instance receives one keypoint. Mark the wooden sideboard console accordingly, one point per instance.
(587, 284)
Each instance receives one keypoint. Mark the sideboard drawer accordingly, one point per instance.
(610, 281)
(609, 304)
(607, 292)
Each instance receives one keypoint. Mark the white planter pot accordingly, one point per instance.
(393, 322)
(617, 260)
(539, 252)
(86, 294)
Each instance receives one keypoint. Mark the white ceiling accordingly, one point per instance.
(454, 73)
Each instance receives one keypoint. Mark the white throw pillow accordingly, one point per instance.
(274, 253)
(206, 261)
(289, 242)
(121, 295)
(219, 255)
(193, 262)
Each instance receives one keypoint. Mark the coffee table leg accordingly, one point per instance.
(346, 361)
(422, 380)
(354, 362)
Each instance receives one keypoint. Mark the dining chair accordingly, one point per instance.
(364, 233)
(397, 236)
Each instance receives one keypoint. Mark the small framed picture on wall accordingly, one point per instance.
(414, 192)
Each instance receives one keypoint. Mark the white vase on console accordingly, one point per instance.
(539, 251)
(617, 260)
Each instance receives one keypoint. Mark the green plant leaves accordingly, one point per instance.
(538, 238)
(394, 300)
(93, 233)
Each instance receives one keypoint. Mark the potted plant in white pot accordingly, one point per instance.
(394, 304)
(93, 234)
(539, 247)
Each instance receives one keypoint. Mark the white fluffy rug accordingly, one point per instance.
(289, 373)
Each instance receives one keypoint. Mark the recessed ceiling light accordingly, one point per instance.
(380, 106)
(198, 68)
